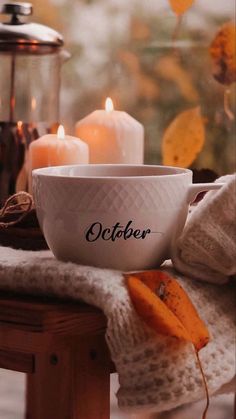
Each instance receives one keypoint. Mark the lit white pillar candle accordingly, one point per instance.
(112, 136)
(56, 150)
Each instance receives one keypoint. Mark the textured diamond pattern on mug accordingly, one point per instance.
(144, 196)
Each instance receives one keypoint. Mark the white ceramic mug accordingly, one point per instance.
(114, 216)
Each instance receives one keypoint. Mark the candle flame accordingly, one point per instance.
(19, 125)
(109, 105)
(33, 103)
(60, 132)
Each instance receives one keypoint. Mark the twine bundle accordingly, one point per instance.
(19, 227)
(16, 208)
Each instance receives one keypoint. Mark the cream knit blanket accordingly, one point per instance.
(207, 247)
(155, 372)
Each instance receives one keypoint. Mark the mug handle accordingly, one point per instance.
(196, 188)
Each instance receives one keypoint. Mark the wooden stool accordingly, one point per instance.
(61, 348)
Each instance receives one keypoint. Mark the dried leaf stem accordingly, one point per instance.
(227, 109)
(204, 384)
(176, 32)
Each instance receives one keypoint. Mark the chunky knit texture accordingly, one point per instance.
(207, 247)
(155, 372)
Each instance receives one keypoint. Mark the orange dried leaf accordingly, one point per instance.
(161, 301)
(183, 138)
(153, 311)
(164, 306)
(180, 6)
(223, 54)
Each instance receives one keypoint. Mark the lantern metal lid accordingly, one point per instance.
(20, 37)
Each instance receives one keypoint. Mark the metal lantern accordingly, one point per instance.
(31, 56)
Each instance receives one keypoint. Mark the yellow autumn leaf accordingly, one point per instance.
(223, 54)
(183, 138)
(169, 68)
(180, 6)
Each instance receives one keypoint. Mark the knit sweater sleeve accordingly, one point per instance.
(206, 249)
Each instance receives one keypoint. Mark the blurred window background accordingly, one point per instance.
(124, 49)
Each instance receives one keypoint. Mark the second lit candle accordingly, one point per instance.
(56, 150)
(112, 136)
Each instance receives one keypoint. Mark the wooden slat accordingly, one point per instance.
(33, 315)
(29, 342)
(91, 379)
(73, 384)
(40, 342)
(36, 325)
(17, 361)
(61, 347)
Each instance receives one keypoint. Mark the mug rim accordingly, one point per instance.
(50, 171)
